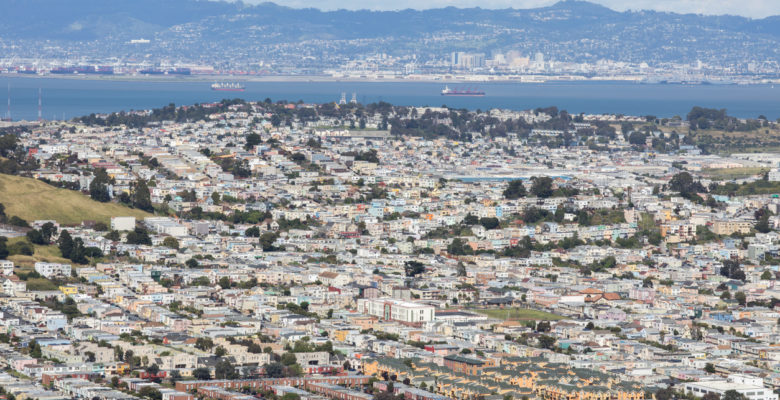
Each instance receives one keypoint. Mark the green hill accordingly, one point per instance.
(32, 199)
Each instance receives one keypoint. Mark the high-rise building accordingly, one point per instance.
(462, 60)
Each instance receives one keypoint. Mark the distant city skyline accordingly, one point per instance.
(746, 8)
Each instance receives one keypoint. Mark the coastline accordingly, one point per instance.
(443, 79)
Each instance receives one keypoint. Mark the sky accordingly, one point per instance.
(747, 8)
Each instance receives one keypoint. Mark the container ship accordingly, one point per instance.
(458, 92)
(228, 87)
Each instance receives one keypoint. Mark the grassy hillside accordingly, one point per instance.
(32, 199)
(48, 253)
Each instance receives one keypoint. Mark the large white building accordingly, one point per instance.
(50, 270)
(123, 223)
(166, 226)
(397, 310)
(6, 267)
(752, 388)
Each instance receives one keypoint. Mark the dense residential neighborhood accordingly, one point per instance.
(243, 250)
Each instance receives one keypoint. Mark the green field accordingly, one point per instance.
(520, 314)
(732, 173)
(31, 200)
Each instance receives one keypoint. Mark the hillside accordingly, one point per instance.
(48, 253)
(568, 31)
(32, 199)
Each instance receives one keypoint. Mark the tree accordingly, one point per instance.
(139, 236)
(153, 369)
(141, 197)
(47, 231)
(150, 392)
(288, 359)
(171, 242)
(8, 144)
(174, 376)
(458, 248)
(543, 326)
(225, 370)
(709, 368)
(560, 213)
(65, 243)
(766, 275)
(16, 221)
(79, 253)
(201, 374)
(191, 263)
(470, 219)
(413, 268)
(113, 236)
(252, 232)
(224, 282)
(267, 241)
(542, 186)
(762, 225)
(514, 190)
(98, 188)
(637, 138)
(546, 342)
(3, 247)
(711, 396)
(274, 370)
(664, 394)
(252, 140)
(732, 270)
(740, 297)
(35, 349)
(489, 222)
(220, 351)
(733, 395)
(204, 343)
(684, 184)
(35, 237)
(461, 269)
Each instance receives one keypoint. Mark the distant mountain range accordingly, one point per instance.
(568, 31)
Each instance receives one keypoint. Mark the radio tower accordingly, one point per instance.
(343, 99)
(39, 106)
(354, 98)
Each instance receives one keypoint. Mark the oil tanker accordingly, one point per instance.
(458, 92)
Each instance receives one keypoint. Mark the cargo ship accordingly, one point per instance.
(457, 92)
(228, 87)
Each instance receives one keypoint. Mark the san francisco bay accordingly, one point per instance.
(68, 98)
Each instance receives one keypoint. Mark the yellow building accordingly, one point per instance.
(727, 227)
(69, 290)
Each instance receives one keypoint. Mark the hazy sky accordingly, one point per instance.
(748, 8)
